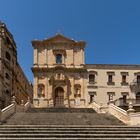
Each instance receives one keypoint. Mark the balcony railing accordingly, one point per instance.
(122, 102)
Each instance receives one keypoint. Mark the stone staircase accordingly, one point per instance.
(61, 110)
(69, 132)
(62, 116)
(66, 124)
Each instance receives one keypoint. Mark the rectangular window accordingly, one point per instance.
(123, 78)
(138, 79)
(92, 96)
(110, 78)
(91, 78)
(110, 96)
(124, 98)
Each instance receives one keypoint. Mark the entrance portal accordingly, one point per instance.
(59, 97)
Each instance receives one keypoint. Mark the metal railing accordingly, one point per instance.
(122, 102)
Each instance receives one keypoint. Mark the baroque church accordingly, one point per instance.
(62, 79)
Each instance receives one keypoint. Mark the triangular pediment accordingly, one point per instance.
(59, 38)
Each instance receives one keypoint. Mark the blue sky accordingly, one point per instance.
(111, 28)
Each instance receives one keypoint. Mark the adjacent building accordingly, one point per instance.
(62, 79)
(13, 81)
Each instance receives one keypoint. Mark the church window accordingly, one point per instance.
(59, 58)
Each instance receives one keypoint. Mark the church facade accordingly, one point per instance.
(62, 79)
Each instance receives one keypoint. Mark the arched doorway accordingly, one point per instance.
(59, 97)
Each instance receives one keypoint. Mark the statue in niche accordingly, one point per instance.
(41, 91)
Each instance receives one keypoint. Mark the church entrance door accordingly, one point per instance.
(59, 97)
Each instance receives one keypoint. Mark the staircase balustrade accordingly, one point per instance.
(7, 112)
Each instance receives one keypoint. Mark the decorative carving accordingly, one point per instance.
(59, 76)
(60, 51)
(41, 75)
(77, 76)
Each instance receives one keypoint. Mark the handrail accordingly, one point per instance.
(7, 112)
(6, 108)
(119, 113)
(99, 108)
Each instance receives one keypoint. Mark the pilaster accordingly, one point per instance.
(35, 56)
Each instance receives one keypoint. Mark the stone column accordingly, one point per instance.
(83, 58)
(35, 86)
(46, 87)
(72, 88)
(46, 59)
(82, 88)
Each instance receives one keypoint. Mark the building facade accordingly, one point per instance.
(62, 79)
(13, 81)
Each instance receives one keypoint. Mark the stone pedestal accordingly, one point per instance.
(130, 110)
(72, 102)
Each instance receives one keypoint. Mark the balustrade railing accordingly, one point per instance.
(122, 102)
(12, 108)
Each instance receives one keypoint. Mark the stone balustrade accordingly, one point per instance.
(12, 108)
(7, 112)
(118, 113)
(99, 108)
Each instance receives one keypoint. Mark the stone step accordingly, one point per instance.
(69, 127)
(70, 135)
(23, 138)
(61, 110)
(56, 132)
(67, 132)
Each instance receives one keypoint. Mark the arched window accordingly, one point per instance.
(91, 78)
(41, 90)
(59, 58)
(8, 57)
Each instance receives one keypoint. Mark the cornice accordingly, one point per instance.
(58, 68)
(113, 66)
(48, 44)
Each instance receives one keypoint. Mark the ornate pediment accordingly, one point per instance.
(59, 38)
